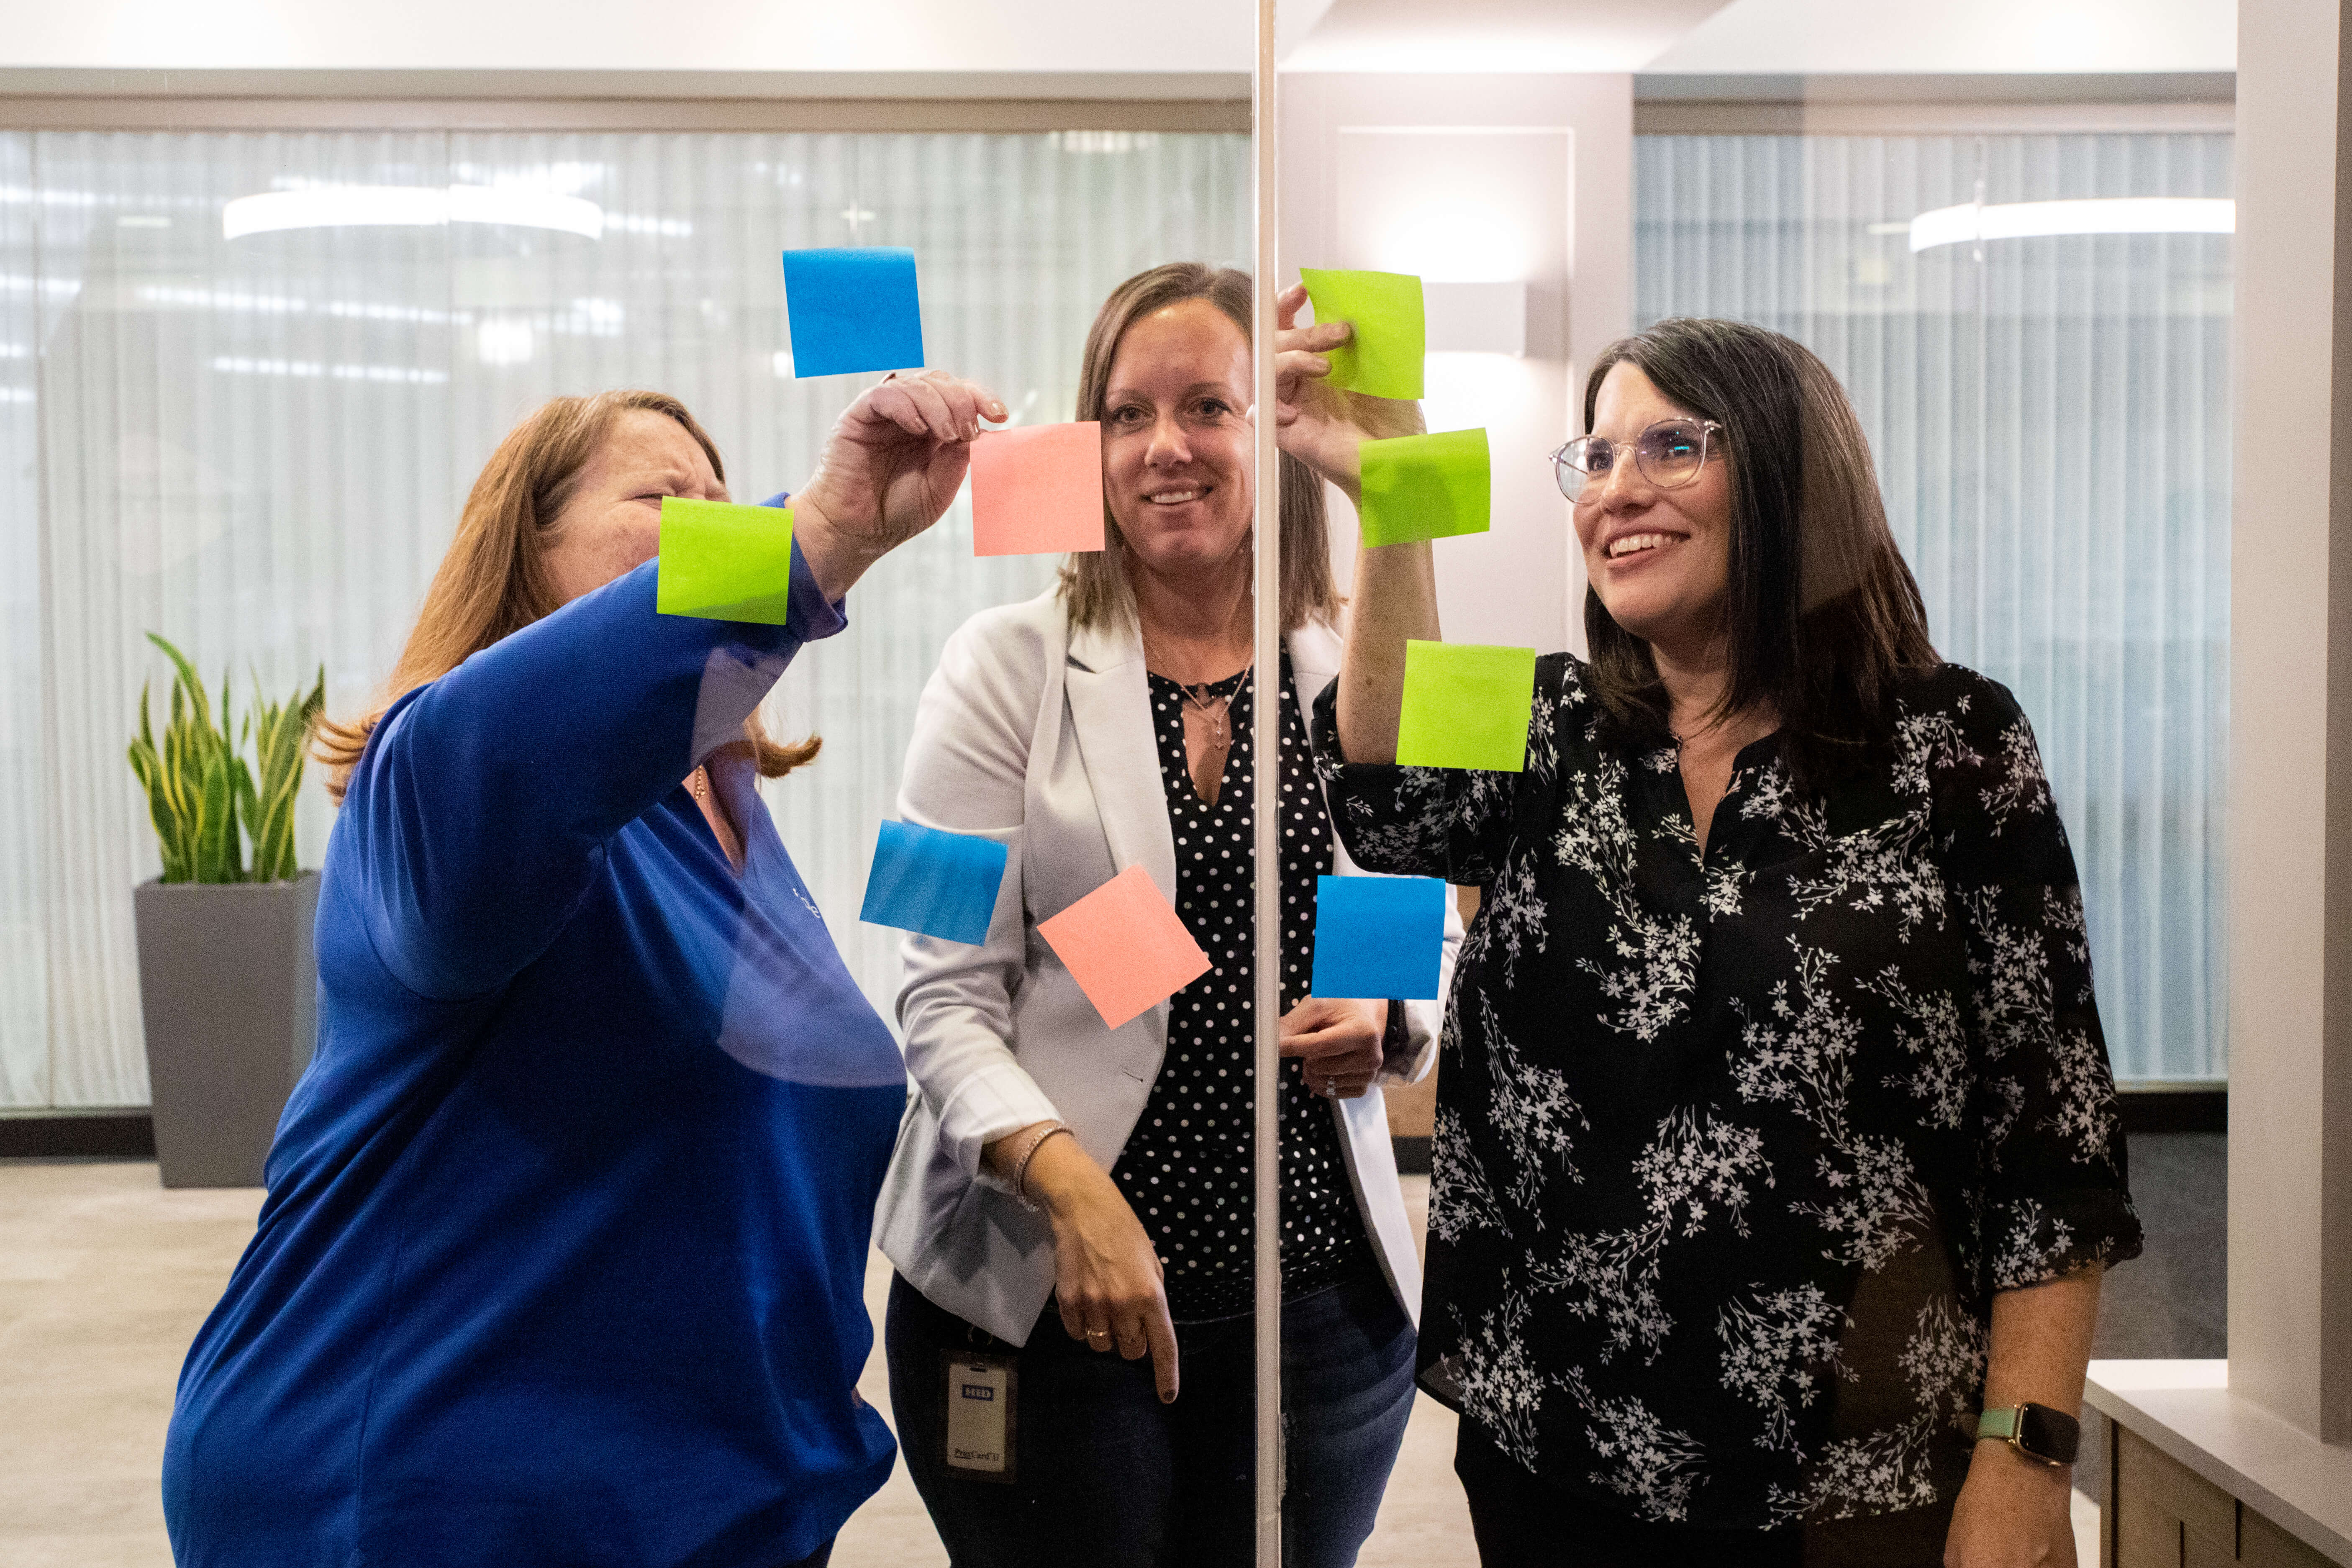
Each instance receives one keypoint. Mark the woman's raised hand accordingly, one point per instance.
(1316, 422)
(895, 459)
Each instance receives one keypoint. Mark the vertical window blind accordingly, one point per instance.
(259, 445)
(2050, 413)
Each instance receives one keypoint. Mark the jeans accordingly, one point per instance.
(1521, 1521)
(1110, 1478)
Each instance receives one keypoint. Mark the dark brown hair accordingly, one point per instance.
(1094, 584)
(1823, 620)
(494, 579)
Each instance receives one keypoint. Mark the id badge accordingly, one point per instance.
(981, 1391)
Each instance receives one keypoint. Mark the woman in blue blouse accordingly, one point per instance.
(562, 1256)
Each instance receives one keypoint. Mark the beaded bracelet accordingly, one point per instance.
(1021, 1166)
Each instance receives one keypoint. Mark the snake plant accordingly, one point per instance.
(198, 787)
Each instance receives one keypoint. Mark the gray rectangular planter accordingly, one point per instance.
(228, 988)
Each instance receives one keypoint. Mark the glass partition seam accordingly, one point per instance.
(1266, 852)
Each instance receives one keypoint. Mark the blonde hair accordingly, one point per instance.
(1095, 585)
(495, 580)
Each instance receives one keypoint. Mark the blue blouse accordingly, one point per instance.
(562, 1257)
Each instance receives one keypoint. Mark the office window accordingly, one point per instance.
(2050, 412)
(259, 445)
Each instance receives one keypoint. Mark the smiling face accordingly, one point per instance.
(1176, 450)
(611, 522)
(1660, 559)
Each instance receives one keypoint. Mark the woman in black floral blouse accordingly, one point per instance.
(1775, 1133)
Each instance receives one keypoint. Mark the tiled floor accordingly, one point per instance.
(104, 1278)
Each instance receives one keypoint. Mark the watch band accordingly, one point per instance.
(2000, 1424)
(2036, 1431)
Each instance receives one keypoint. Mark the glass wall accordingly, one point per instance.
(259, 445)
(2051, 416)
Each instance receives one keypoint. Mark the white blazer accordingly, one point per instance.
(1039, 735)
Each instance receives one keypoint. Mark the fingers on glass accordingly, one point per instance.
(1668, 454)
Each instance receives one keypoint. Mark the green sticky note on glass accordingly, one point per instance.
(1425, 487)
(1466, 706)
(724, 562)
(1384, 359)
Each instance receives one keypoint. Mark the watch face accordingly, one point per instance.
(2046, 1434)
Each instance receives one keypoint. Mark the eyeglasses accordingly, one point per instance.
(1669, 455)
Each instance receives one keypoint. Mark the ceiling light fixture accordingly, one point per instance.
(410, 207)
(1972, 221)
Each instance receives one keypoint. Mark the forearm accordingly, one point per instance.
(2041, 1347)
(837, 558)
(1394, 601)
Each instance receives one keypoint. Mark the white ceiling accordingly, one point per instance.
(1470, 35)
(977, 37)
(1827, 38)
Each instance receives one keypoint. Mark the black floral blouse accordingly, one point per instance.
(1733, 1150)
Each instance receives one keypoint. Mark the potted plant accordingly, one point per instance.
(227, 985)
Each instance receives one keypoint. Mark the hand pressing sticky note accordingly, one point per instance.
(1037, 489)
(853, 309)
(1379, 937)
(1465, 706)
(724, 562)
(1384, 359)
(940, 884)
(1425, 487)
(1125, 946)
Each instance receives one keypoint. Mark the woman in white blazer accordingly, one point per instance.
(1046, 1159)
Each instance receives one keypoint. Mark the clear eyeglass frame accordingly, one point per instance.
(1665, 452)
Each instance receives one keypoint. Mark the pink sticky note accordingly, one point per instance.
(1036, 490)
(1125, 946)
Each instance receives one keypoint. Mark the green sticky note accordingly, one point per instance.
(1466, 706)
(1384, 359)
(1425, 487)
(723, 562)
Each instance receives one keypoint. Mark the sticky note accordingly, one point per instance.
(1425, 487)
(1384, 359)
(1379, 937)
(724, 562)
(853, 309)
(1466, 706)
(1037, 489)
(1125, 946)
(940, 884)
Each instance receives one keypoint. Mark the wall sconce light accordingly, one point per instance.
(1475, 317)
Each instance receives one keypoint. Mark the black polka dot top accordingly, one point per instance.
(1187, 1168)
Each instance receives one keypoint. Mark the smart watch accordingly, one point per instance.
(2035, 1431)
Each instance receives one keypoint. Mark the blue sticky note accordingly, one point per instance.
(1379, 937)
(853, 309)
(942, 884)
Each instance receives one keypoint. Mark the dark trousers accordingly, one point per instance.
(1522, 1523)
(1110, 1478)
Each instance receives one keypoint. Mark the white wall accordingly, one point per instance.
(2291, 731)
(1474, 178)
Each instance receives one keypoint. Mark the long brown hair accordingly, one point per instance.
(495, 579)
(1823, 620)
(1094, 584)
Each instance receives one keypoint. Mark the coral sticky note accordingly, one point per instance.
(1425, 487)
(1466, 706)
(853, 309)
(940, 884)
(724, 562)
(1384, 359)
(1125, 946)
(1379, 937)
(1037, 489)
